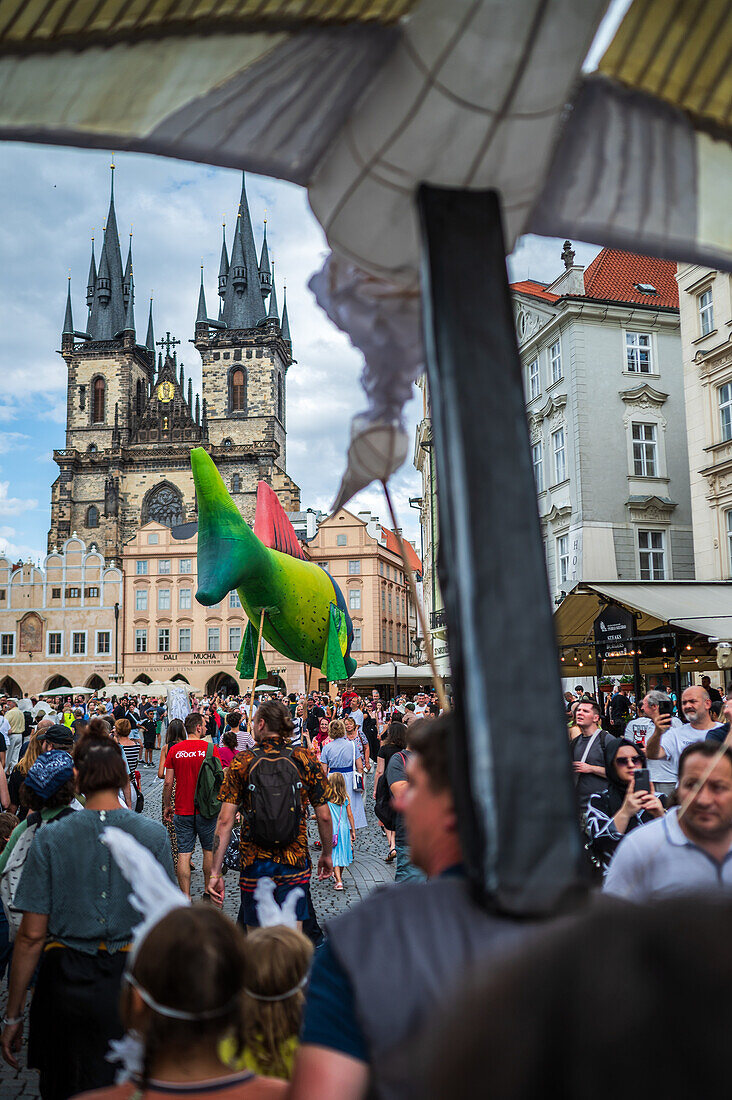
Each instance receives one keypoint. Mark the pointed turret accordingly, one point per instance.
(224, 265)
(265, 279)
(91, 281)
(243, 302)
(107, 317)
(202, 315)
(198, 409)
(190, 395)
(285, 323)
(181, 379)
(150, 338)
(273, 312)
(68, 329)
(127, 277)
(130, 312)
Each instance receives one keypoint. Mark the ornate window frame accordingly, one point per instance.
(237, 366)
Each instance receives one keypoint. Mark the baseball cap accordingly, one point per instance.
(58, 735)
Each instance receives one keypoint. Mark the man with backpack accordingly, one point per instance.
(588, 753)
(194, 765)
(269, 784)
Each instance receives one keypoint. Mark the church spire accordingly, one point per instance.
(91, 281)
(243, 302)
(202, 315)
(273, 312)
(224, 265)
(130, 312)
(68, 329)
(150, 339)
(127, 277)
(285, 324)
(108, 311)
(265, 281)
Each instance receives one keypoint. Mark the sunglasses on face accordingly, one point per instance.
(626, 760)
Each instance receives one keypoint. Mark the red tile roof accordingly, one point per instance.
(535, 290)
(613, 275)
(392, 544)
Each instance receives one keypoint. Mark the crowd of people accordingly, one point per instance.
(146, 994)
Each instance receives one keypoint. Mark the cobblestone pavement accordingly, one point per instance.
(366, 873)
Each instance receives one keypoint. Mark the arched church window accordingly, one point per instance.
(139, 398)
(228, 443)
(163, 504)
(236, 484)
(238, 396)
(92, 516)
(280, 400)
(98, 407)
(92, 448)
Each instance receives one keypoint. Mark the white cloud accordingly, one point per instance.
(12, 441)
(13, 506)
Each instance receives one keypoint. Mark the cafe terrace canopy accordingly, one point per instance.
(695, 610)
(429, 135)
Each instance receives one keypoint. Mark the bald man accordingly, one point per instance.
(668, 744)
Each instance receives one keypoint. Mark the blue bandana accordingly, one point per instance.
(50, 772)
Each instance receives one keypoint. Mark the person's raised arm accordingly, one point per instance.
(4, 792)
(654, 748)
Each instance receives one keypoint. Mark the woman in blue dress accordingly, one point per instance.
(343, 755)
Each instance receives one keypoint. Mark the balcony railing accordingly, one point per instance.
(438, 619)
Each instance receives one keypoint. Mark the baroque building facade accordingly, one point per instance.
(363, 557)
(60, 622)
(132, 419)
(705, 299)
(601, 355)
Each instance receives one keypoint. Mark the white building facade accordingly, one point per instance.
(601, 355)
(705, 300)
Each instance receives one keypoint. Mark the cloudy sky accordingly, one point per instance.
(53, 200)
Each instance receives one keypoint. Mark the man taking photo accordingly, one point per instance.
(667, 743)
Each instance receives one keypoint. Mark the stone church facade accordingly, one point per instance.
(132, 420)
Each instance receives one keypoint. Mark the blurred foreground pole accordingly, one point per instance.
(515, 791)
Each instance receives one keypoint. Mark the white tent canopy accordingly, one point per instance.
(408, 675)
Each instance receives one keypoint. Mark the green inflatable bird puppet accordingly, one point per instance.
(305, 615)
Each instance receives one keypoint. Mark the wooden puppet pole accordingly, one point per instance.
(437, 679)
(256, 669)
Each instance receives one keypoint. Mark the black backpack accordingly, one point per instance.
(274, 809)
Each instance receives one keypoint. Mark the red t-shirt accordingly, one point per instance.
(185, 760)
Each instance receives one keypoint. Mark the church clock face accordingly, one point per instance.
(166, 391)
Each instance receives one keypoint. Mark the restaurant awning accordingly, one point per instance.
(385, 674)
(703, 608)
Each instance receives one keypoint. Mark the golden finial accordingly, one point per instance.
(265, 215)
(112, 164)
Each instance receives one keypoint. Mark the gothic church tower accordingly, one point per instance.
(131, 422)
(246, 352)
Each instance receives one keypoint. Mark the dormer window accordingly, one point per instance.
(645, 288)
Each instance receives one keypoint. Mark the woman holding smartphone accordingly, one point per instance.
(629, 801)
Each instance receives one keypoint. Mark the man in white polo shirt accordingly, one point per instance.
(687, 855)
(667, 743)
